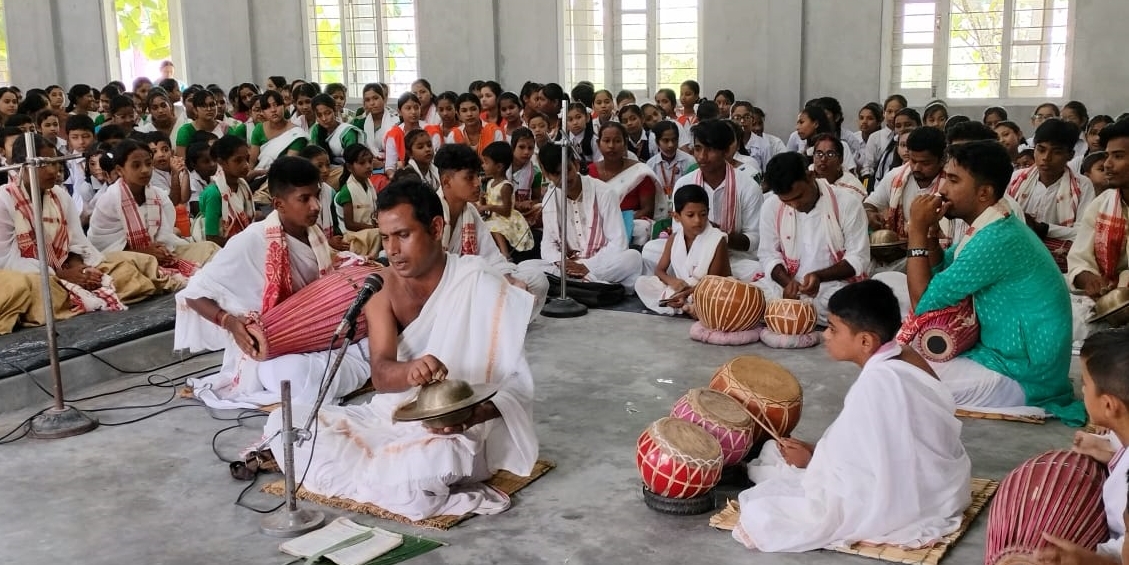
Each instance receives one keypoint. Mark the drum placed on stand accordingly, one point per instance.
(721, 416)
(680, 463)
(1058, 492)
(304, 322)
(766, 389)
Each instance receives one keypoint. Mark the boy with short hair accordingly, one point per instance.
(689, 256)
(891, 469)
(1051, 195)
(274, 259)
(80, 136)
(1105, 392)
(466, 233)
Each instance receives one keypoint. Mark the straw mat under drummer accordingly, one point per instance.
(858, 483)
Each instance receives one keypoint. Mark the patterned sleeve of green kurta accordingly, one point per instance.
(954, 281)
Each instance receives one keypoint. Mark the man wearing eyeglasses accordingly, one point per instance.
(827, 162)
(1050, 194)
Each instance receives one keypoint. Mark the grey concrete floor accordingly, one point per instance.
(153, 492)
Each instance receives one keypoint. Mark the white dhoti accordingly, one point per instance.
(475, 323)
(608, 266)
(974, 387)
(741, 265)
(536, 282)
(245, 383)
(860, 485)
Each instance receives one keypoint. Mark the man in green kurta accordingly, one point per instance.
(1021, 364)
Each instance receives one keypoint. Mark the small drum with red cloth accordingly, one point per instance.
(766, 389)
(304, 322)
(728, 305)
(1058, 492)
(720, 415)
(943, 334)
(680, 464)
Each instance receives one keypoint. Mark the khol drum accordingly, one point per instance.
(943, 334)
(304, 322)
(720, 415)
(766, 389)
(728, 305)
(678, 459)
(1058, 492)
(790, 317)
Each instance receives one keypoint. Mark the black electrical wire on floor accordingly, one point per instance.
(313, 444)
(149, 383)
(133, 371)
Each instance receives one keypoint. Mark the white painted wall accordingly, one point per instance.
(776, 53)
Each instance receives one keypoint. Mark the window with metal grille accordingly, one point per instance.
(5, 71)
(638, 45)
(980, 49)
(356, 42)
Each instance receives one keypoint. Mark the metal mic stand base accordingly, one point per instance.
(55, 423)
(557, 307)
(285, 523)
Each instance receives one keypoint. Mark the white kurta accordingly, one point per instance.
(816, 243)
(1043, 204)
(611, 263)
(108, 229)
(1082, 259)
(236, 278)
(1114, 492)
(689, 265)
(475, 323)
(10, 258)
(533, 277)
(749, 198)
(890, 469)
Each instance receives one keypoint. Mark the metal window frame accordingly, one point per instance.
(347, 45)
(941, 52)
(613, 51)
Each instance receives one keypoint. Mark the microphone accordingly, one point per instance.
(373, 283)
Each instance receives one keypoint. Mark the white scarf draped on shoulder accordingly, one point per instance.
(475, 323)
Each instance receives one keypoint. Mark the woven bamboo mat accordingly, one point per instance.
(982, 491)
(502, 480)
(961, 413)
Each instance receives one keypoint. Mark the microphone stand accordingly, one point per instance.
(290, 521)
(562, 306)
(60, 420)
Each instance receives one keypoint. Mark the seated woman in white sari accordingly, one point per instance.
(595, 239)
(375, 122)
(330, 133)
(258, 269)
(691, 254)
(634, 183)
(131, 215)
(275, 137)
(891, 468)
(438, 315)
